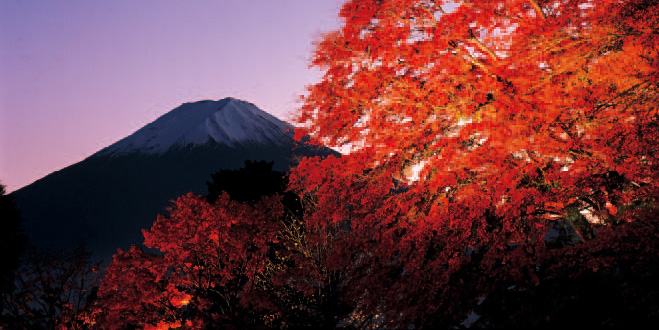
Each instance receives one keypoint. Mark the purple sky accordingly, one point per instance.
(78, 75)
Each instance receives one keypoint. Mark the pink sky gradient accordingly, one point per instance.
(78, 75)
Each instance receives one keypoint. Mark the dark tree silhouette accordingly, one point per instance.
(52, 290)
(247, 184)
(12, 242)
(250, 183)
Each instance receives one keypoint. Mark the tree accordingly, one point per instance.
(609, 281)
(478, 130)
(232, 262)
(209, 272)
(41, 289)
(12, 241)
(247, 184)
(51, 290)
(305, 291)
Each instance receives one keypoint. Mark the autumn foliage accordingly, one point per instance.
(483, 135)
(500, 158)
(207, 273)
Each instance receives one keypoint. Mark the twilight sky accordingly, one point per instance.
(78, 75)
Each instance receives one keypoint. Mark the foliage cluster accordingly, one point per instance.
(503, 162)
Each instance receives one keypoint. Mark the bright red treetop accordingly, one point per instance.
(483, 95)
(477, 126)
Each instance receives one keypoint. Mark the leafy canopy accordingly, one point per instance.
(483, 135)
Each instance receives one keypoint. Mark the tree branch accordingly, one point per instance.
(470, 58)
(538, 9)
(482, 46)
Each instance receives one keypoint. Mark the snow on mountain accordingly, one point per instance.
(229, 122)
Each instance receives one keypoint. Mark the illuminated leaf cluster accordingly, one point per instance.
(207, 273)
(482, 135)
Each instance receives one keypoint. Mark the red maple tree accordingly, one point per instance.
(244, 260)
(483, 135)
(208, 273)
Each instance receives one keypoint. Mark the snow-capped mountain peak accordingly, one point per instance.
(229, 122)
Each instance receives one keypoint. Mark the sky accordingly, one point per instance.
(79, 75)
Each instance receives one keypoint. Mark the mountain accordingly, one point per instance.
(105, 200)
(229, 122)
